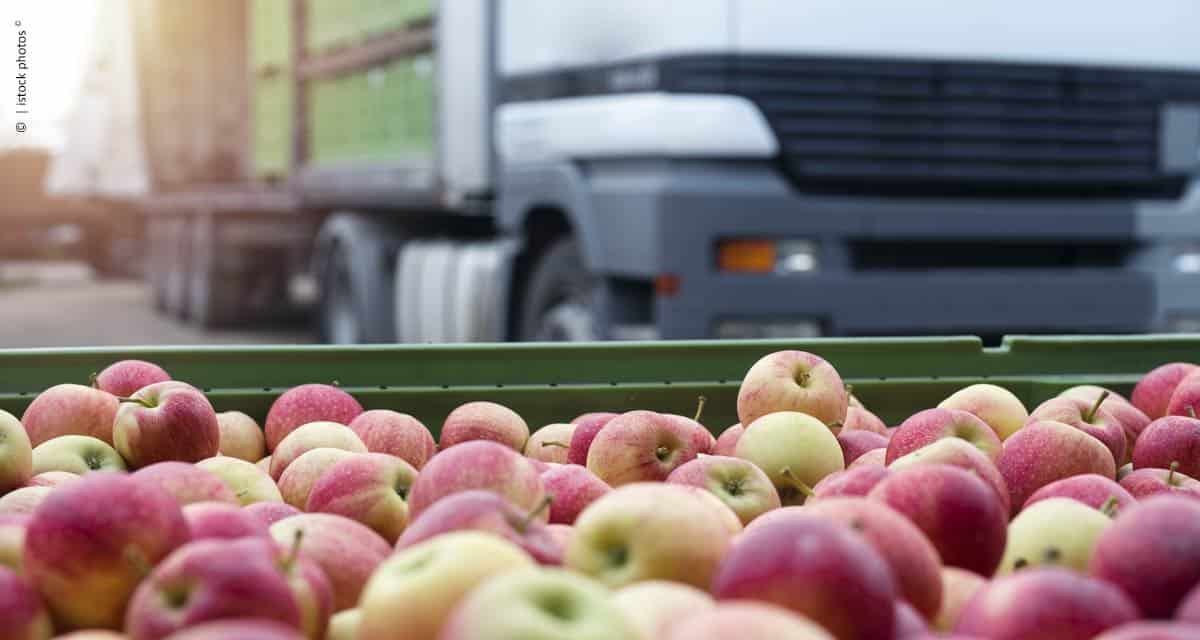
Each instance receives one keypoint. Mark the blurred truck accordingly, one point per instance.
(573, 170)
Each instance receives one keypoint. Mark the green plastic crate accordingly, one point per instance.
(552, 383)
(272, 125)
(270, 33)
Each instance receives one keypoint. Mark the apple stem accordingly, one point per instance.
(92, 379)
(137, 560)
(836, 424)
(336, 383)
(535, 512)
(1171, 473)
(556, 443)
(294, 552)
(141, 401)
(1191, 411)
(1087, 417)
(849, 390)
(699, 408)
(795, 482)
(1109, 508)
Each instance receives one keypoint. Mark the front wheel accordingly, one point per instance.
(339, 315)
(559, 303)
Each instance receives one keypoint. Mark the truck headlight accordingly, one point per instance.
(1187, 260)
(750, 255)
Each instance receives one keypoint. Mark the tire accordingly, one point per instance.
(339, 315)
(559, 300)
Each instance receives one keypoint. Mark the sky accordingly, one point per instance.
(57, 34)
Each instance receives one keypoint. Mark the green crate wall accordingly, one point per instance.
(272, 124)
(270, 33)
(333, 24)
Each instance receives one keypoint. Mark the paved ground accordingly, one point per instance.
(60, 305)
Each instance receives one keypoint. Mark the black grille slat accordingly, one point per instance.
(962, 150)
(887, 128)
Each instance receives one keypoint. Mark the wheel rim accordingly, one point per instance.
(341, 320)
(569, 321)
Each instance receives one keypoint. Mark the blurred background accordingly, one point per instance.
(380, 171)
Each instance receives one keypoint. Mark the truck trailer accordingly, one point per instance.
(485, 170)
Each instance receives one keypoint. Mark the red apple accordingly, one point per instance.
(22, 614)
(480, 464)
(929, 426)
(727, 441)
(792, 381)
(241, 437)
(297, 481)
(1093, 418)
(1091, 489)
(221, 520)
(872, 458)
(1045, 604)
(124, 377)
(396, 434)
(311, 436)
(959, 586)
(1170, 439)
(849, 483)
(586, 428)
(550, 443)
(52, 479)
(573, 488)
(24, 500)
(1152, 631)
(856, 443)
(739, 484)
(166, 421)
(70, 409)
(346, 550)
(859, 419)
(1185, 400)
(641, 446)
(187, 483)
(488, 512)
(909, 624)
(1189, 608)
(369, 488)
(745, 621)
(308, 403)
(1153, 392)
(269, 513)
(1043, 452)
(995, 405)
(238, 629)
(958, 453)
(484, 421)
(1143, 483)
(1131, 418)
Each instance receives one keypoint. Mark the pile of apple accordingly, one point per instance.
(131, 509)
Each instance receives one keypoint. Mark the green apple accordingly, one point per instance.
(998, 407)
(653, 606)
(1056, 531)
(16, 453)
(344, 625)
(795, 450)
(247, 481)
(76, 454)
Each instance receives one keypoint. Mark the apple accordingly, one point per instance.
(549, 604)
(958, 453)
(926, 427)
(124, 377)
(730, 519)
(794, 449)
(550, 443)
(1153, 392)
(856, 443)
(22, 614)
(479, 464)
(166, 421)
(1131, 418)
(484, 421)
(859, 419)
(1189, 608)
(586, 428)
(16, 453)
(240, 436)
(562, 534)
(308, 403)
(1045, 603)
(485, 511)
(1185, 400)
(313, 435)
(12, 539)
(187, 483)
(396, 434)
(248, 482)
(344, 625)
(94, 634)
(70, 409)
(346, 550)
(212, 580)
(633, 534)
(1056, 532)
(654, 606)
(51, 479)
(297, 481)
(872, 458)
(369, 488)
(1090, 489)
(269, 513)
(1152, 631)
(221, 520)
(1043, 452)
(739, 484)
(573, 488)
(23, 500)
(697, 434)
(849, 483)
(1143, 483)
(1147, 552)
(1093, 418)
(641, 446)
(1170, 439)
(959, 513)
(76, 454)
(309, 585)
(431, 579)
(815, 567)
(90, 542)
(959, 586)
(238, 629)
(998, 407)
(727, 442)
(792, 381)
(909, 624)
(746, 621)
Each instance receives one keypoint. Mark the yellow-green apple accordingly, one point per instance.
(297, 481)
(367, 487)
(90, 542)
(792, 381)
(1090, 489)
(484, 421)
(485, 511)
(849, 483)
(187, 483)
(347, 551)
(815, 567)
(1056, 532)
(241, 437)
(238, 629)
(344, 625)
(998, 407)
(958, 512)
(271, 512)
(51, 478)
(654, 606)
(573, 488)
(1170, 439)
(1043, 452)
(166, 421)
(641, 446)
(23, 500)
(264, 464)
(632, 534)
(221, 520)
(248, 483)
(1093, 418)
(12, 539)
(1148, 553)
(859, 419)
(958, 453)
(746, 621)
(211, 580)
(914, 562)
(730, 519)
(551, 443)
(1153, 392)
(76, 454)
(1045, 603)
(927, 427)
(910, 625)
(739, 484)
(92, 634)
(1185, 399)
(727, 442)
(795, 450)
(70, 409)
(586, 428)
(538, 604)
(431, 579)
(856, 443)
(1143, 483)
(958, 587)
(396, 434)
(16, 453)
(311, 436)
(1160, 630)
(308, 403)
(872, 458)
(124, 377)
(23, 616)
(480, 464)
